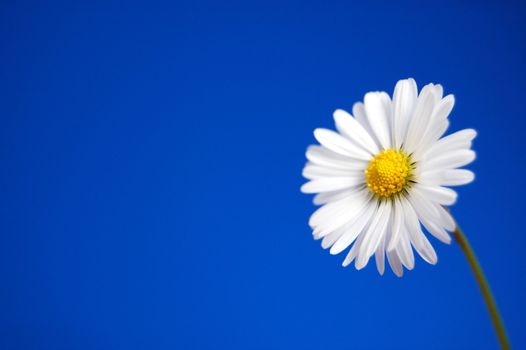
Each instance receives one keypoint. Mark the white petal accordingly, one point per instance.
(449, 160)
(448, 177)
(439, 92)
(374, 234)
(457, 177)
(422, 205)
(347, 203)
(334, 215)
(330, 211)
(396, 264)
(329, 240)
(354, 228)
(353, 251)
(378, 110)
(398, 222)
(434, 132)
(418, 239)
(354, 131)
(436, 230)
(461, 135)
(432, 210)
(358, 110)
(312, 171)
(458, 140)
(446, 220)
(405, 251)
(322, 156)
(379, 257)
(438, 124)
(326, 197)
(423, 247)
(404, 101)
(331, 184)
(339, 144)
(441, 195)
(444, 108)
(428, 216)
(420, 120)
(341, 201)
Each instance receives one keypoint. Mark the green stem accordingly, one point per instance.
(484, 287)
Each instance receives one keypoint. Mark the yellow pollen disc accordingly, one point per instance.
(388, 173)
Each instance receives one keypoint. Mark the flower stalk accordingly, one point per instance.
(483, 284)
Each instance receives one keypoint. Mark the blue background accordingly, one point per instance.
(151, 156)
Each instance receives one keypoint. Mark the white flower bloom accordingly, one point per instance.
(384, 173)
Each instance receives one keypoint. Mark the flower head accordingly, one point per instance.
(385, 173)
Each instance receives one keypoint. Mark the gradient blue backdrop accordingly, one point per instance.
(151, 156)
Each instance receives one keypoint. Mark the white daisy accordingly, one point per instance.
(383, 174)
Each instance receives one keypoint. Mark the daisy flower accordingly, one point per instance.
(384, 175)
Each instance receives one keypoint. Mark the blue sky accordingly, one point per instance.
(151, 158)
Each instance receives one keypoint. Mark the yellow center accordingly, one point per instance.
(388, 173)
